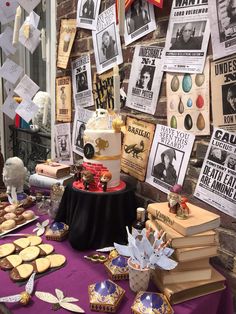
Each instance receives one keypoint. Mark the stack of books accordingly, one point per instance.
(47, 175)
(195, 242)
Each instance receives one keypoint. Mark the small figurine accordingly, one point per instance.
(87, 178)
(78, 169)
(174, 198)
(183, 211)
(104, 179)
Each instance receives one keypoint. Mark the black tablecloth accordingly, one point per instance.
(97, 220)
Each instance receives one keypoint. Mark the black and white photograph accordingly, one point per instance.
(63, 143)
(167, 163)
(107, 44)
(229, 98)
(222, 16)
(106, 41)
(82, 82)
(169, 157)
(87, 13)
(216, 184)
(139, 20)
(80, 119)
(145, 79)
(187, 36)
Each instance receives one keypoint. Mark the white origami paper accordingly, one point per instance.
(40, 228)
(11, 71)
(29, 35)
(7, 11)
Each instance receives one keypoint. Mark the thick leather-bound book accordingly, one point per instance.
(179, 241)
(199, 219)
(53, 170)
(194, 253)
(180, 292)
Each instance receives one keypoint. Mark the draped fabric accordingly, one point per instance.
(97, 220)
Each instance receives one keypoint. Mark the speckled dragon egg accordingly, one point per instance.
(187, 83)
(174, 85)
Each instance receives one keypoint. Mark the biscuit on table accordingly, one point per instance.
(21, 244)
(56, 260)
(21, 272)
(35, 240)
(41, 264)
(45, 249)
(6, 249)
(10, 262)
(30, 253)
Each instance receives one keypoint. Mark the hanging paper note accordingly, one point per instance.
(7, 11)
(27, 110)
(29, 35)
(6, 41)
(9, 88)
(11, 71)
(9, 107)
(28, 5)
(26, 88)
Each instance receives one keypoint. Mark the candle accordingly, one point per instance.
(16, 26)
(43, 43)
(121, 16)
(45, 111)
(116, 88)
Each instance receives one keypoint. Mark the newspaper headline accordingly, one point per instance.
(169, 157)
(217, 181)
(145, 79)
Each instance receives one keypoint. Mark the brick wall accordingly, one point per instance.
(145, 192)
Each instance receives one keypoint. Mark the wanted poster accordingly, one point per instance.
(223, 93)
(63, 99)
(106, 41)
(136, 147)
(187, 37)
(66, 40)
(87, 13)
(169, 157)
(217, 181)
(222, 16)
(139, 21)
(145, 79)
(63, 143)
(82, 82)
(188, 106)
(80, 119)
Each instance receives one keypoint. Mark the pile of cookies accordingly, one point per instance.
(12, 216)
(24, 256)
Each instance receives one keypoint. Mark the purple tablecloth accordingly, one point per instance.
(73, 279)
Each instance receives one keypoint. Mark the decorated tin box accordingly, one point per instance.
(105, 296)
(117, 268)
(151, 303)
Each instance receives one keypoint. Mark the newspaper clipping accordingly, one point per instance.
(106, 41)
(63, 99)
(136, 147)
(169, 157)
(82, 82)
(223, 79)
(145, 79)
(87, 13)
(66, 40)
(187, 37)
(217, 181)
(188, 101)
(81, 118)
(63, 143)
(139, 21)
(222, 16)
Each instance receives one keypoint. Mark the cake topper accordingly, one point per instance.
(183, 210)
(104, 179)
(174, 198)
(87, 178)
(23, 297)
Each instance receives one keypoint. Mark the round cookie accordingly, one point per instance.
(35, 240)
(3, 205)
(21, 244)
(56, 260)
(10, 208)
(8, 216)
(2, 212)
(10, 262)
(40, 265)
(8, 225)
(2, 219)
(19, 220)
(19, 211)
(28, 214)
(21, 272)
(45, 249)
(30, 253)
(6, 249)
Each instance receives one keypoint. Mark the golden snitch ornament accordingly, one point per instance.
(23, 297)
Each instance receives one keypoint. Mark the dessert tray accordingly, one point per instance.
(18, 226)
